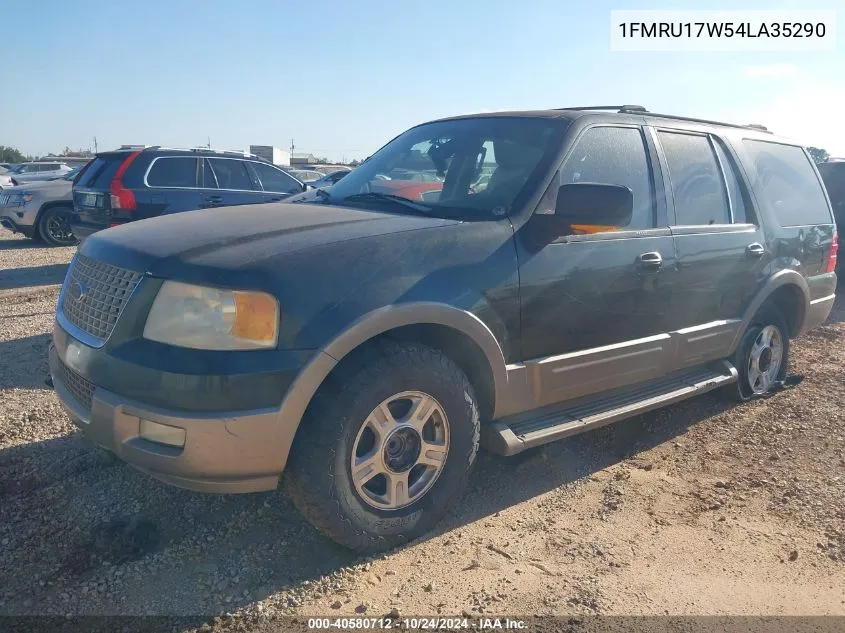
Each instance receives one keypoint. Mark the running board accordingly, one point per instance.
(517, 433)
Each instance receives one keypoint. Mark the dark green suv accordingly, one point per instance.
(559, 270)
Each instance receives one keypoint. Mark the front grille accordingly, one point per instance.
(81, 388)
(95, 294)
(4, 199)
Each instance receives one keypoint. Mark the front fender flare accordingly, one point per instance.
(369, 326)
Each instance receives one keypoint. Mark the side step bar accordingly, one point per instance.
(515, 434)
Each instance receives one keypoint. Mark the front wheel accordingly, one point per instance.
(762, 358)
(385, 448)
(54, 227)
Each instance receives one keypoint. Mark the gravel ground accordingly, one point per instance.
(701, 508)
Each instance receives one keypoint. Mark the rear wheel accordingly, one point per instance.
(762, 359)
(385, 448)
(54, 227)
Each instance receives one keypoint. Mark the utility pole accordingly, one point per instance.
(95, 144)
(292, 146)
(209, 142)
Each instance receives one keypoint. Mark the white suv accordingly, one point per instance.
(29, 172)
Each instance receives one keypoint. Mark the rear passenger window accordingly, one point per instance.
(613, 156)
(788, 183)
(231, 174)
(178, 171)
(736, 193)
(275, 180)
(697, 186)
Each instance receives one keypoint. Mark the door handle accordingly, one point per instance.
(755, 250)
(651, 261)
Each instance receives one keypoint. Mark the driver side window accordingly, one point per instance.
(611, 156)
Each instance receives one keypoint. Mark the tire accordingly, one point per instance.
(764, 377)
(339, 427)
(54, 227)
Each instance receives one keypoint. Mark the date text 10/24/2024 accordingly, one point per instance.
(417, 624)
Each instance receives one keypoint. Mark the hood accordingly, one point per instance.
(37, 185)
(240, 238)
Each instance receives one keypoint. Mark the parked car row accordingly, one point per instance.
(547, 273)
(134, 184)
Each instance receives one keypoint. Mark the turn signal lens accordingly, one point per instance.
(256, 317)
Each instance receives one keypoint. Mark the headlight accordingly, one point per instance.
(210, 318)
(18, 198)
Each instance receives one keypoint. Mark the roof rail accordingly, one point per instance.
(619, 108)
(759, 128)
(233, 152)
(636, 109)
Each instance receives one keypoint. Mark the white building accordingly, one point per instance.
(275, 155)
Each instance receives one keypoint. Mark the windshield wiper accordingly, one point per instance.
(389, 197)
(322, 196)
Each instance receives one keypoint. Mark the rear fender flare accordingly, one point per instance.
(778, 280)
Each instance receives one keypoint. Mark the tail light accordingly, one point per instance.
(834, 253)
(122, 198)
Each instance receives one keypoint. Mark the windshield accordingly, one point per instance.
(476, 166)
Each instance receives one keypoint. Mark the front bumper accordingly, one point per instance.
(14, 219)
(224, 451)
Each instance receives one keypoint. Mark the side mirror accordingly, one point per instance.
(594, 204)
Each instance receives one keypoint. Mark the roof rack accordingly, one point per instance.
(637, 109)
(232, 152)
(619, 108)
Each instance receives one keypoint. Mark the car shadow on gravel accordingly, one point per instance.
(16, 244)
(83, 521)
(24, 362)
(501, 482)
(50, 274)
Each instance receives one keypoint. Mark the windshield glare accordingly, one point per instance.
(478, 165)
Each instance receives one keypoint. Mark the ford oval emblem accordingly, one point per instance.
(77, 291)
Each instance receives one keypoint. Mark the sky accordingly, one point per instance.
(343, 78)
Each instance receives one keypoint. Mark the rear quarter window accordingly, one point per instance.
(100, 171)
(787, 183)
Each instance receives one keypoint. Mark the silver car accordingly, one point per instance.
(30, 172)
(40, 210)
(5, 178)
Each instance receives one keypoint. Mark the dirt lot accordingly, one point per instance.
(696, 509)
